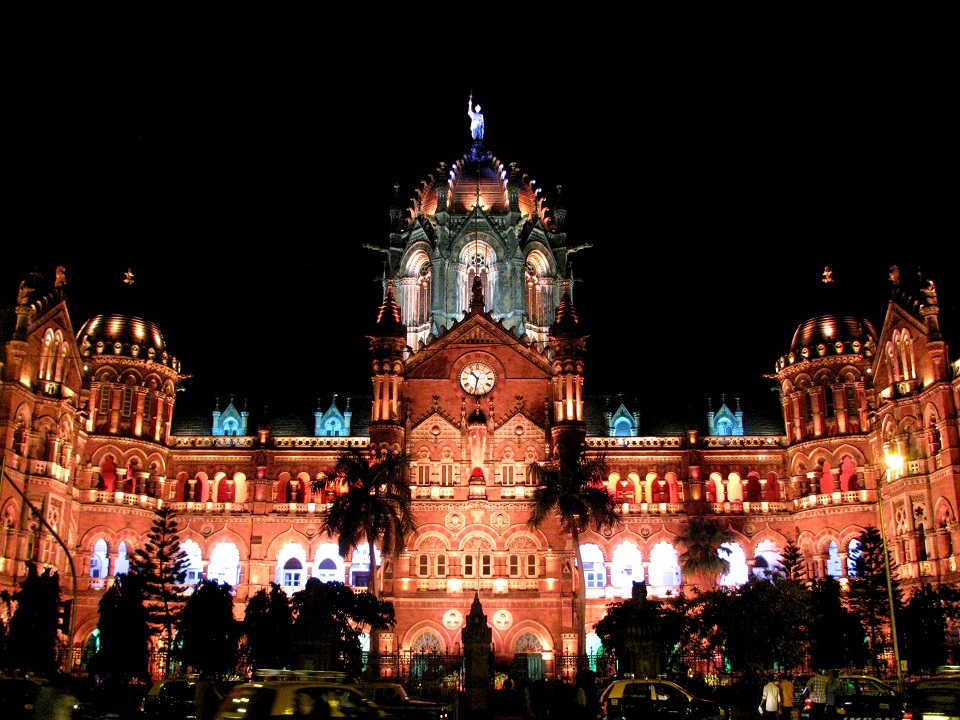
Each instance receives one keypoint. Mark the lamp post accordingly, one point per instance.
(894, 467)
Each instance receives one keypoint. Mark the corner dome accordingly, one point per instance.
(832, 335)
(123, 335)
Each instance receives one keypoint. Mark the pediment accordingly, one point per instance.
(474, 331)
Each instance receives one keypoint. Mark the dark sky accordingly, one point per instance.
(713, 191)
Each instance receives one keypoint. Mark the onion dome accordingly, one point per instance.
(125, 336)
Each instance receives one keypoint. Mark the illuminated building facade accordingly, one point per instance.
(477, 369)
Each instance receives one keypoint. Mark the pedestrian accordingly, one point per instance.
(834, 695)
(786, 696)
(770, 699)
(816, 691)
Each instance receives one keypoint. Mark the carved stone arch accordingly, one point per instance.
(290, 535)
(424, 636)
(803, 381)
(106, 375)
(477, 541)
(524, 636)
(824, 376)
(945, 513)
(97, 532)
(823, 540)
(433, 541)
(131, 377)
(786, 388)
(130, 538)
(734, 487)
(521, 540)
(228, 534)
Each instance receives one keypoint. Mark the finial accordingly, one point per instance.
(894, 275)
(827, 275)
(128, 276)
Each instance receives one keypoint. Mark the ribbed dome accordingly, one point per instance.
(832, 335)
(123, 335)
(483, 172)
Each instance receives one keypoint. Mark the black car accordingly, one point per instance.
(393, 698)
(645, 698)
(865, 698)
(181, 699)
(936, 698)
(18, 695)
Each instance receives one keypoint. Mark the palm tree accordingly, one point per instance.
(571, 489)
(376, 508)
(704, 557)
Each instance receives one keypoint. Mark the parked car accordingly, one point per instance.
(936, 698)
(865, 698)
(320, 698)
(181, 699)
(393, 698)
(18, 696)
(644, 698)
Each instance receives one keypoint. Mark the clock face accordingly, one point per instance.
(477, 378)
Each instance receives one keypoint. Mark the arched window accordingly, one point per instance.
(627, 566)
(326, 570)
(738, 565)
(99, 562)
(833, 561)
(225, 564)
(328, 564)
(854, 553)
(195, 558)
(123, 562)
(594, 571)
(664, 566)
(767, 560)
(292, 573)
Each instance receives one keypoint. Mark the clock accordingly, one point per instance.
(477, 378)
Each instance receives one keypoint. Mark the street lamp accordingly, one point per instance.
(894, 467)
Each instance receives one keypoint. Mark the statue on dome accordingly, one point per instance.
(476, 119)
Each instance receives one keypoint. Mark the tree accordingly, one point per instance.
(704, 556)
(571, 490)
(124, 633)
(924, 624)
(868, 597)
(328, 619)
(208, 635)
(267, 625)
(836, 635)
(32, 639)
(376, 508)
(791, 560)
(163, 566)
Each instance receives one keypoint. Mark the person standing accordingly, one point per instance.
(476, 119)
(816, 691)
(786, 696)
(834, 694)
(770, 699)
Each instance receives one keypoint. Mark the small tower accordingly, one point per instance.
(387, 346)
(568, 346)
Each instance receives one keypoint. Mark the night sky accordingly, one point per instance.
(713, 194)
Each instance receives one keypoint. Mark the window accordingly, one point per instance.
(423, 565)
(423, 474)
(446, 474)
(147, 401)
(104, 399)
(127, 401)
(441, 565)
(532, 565)
(508, 475)
(593, 574)
(327, 570)
(486, 565)
(513, 565)
(469, 568)
(292, 573)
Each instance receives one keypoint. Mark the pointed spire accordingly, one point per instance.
(388, 319)
(567, 319)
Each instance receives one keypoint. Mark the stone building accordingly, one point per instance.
(477, 368)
